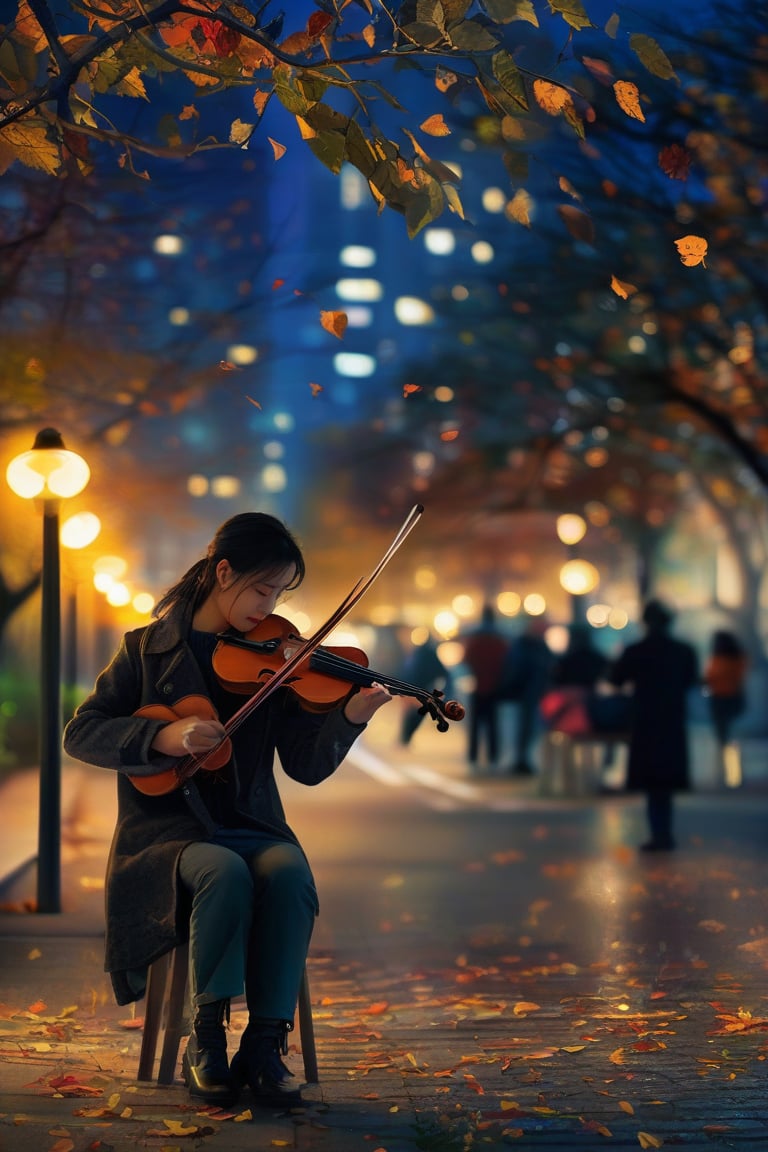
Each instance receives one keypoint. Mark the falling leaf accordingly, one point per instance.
(38, 1007)
(713, 926)
(369, 35)
(577, 222)
(277, 284)
(228, 366)
(675, 161)
(652, 56)
(35, 954)
(600, 69)
(435, 126)
(649, 1141)
(278, 149)
(260, 99)
(334, 322)
(519, 208)
(444, 79)
(316, 389)
(240, 133)
(376, 1009)
(449, 434)
(692, 250)
(628, 99)
(254, 402)
(409, 389)
(622, 288)
(626, 1107)
(551, 98)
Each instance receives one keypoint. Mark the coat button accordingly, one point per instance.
(167, 689)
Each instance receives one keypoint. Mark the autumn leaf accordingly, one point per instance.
(551, 98)
(622, 288)
(334, 322)
(519, 208)
(409, 389)
(628, 99)
(435, 126)
(648, 1141)
(692, 250)
(278, 149)
(600, 69)
(255, 403)
(577, 222)
(675, 161)
(316, 389)
(228, 366)
(450, 434)
(626, 1107)
(651, 56)
(260, 99)
(277, 284)
(444, 79)
(523, 1007)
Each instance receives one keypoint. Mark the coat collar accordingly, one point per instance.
(164, 634)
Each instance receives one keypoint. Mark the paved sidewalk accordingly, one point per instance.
(517, 1047)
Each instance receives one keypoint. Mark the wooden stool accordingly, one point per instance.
(166, 1002)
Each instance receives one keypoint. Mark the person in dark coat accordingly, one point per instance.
(661, 670)
(208, 856)
(425, 669)
(484, 653)
(525, 678)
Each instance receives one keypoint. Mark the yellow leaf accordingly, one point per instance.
(435, 126)
(519, 208)
(628, 98)
(626, 1107)
(369, 35)
(334, 322)
(34, 954)
(649, 1141)
(29, 143)
(240, 133)
(692, 250)
(246, 1115)
(179, 1128)
(278, 149)
(444, 79)
(622, 288)
(552, 98)
(260, 100)
(524, 1006)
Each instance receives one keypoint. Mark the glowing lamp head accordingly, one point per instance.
(48, 469)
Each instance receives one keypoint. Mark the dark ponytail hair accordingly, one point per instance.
(253, 543)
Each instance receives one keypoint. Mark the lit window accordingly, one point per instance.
(357, 256)
(367, 290)
(353, 188)
(413, 311)
(358, 316)
(354, 364)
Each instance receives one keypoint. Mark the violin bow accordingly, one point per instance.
(308, 646)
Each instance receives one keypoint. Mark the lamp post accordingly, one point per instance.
(48, 473)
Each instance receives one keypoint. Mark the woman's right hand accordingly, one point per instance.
(190, 736)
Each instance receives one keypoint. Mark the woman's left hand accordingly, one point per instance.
(365, 702)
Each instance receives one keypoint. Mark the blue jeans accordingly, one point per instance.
(253, 907)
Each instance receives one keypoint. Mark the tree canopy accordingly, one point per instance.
(70, 82)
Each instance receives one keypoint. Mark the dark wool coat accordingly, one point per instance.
(662, 671)
(146, 914)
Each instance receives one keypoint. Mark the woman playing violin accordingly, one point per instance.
(213, 859)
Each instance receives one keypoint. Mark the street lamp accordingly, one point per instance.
(48, 473)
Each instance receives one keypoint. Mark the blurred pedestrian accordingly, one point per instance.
(661, 671)
(725, 674)
(525, 678)
(484, 653)
(424, 668)
(206, 855)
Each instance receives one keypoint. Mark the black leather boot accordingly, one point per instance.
(205, 1067)
(259, 1064)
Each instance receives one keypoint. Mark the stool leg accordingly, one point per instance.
(307, 1029)
(175, 1024)
(157, 977)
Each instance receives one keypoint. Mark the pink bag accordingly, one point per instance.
(565, 710)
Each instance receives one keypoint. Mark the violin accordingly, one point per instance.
(162, 782)
(321, 681)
